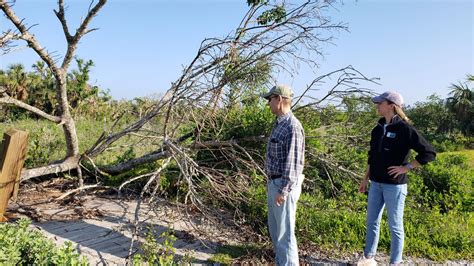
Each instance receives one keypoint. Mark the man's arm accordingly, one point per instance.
(294, 143)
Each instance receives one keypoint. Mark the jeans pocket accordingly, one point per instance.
(276, 183)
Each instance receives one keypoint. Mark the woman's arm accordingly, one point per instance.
(365, 181)
(402, 169)
(425, 151)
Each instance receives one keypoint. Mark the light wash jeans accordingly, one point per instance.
(393, 196)
(281, 223)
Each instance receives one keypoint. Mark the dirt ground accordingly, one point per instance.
(34, 199)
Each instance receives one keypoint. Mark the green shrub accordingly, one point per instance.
(432, 234)
(256, 208)
(21, 246)
(155, 253)
(330, 223)
(450, 142)
(446, 183)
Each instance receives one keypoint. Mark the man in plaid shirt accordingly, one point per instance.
(284, 168)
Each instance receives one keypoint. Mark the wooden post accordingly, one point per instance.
(12, 158)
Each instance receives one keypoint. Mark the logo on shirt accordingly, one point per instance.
(391, 135)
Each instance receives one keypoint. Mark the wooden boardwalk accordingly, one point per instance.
(105, 237)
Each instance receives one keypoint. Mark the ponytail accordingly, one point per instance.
(401, 114)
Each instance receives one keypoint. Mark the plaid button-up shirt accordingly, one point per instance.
(285, 151)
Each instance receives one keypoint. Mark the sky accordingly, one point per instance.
(416, 47)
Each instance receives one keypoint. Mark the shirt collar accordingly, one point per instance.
(284, 117)
(395, 119)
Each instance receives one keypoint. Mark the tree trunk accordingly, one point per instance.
(70, 134)
(54, 168)
(69, 127)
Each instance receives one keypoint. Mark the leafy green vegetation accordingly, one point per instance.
(20, 245)
(226, 254)
(437, 221)
(469, 154)
(155, 253)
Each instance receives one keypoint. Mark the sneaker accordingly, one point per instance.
(366, 262)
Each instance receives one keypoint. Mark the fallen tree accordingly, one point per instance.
(225, 72)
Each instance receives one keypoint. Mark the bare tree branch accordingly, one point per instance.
(25, 35)
(60, 75)
(80, 32)
(6, 41)
(6, 99)
(348, 79)
(136, 222)
(79, 189)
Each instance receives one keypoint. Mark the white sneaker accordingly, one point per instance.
(366, 262)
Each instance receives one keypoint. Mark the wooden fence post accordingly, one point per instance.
(12, 158)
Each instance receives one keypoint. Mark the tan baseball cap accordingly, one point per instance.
(280, 89)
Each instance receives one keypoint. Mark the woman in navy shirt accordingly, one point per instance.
(391, 141)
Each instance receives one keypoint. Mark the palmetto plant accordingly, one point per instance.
(16, 81)
(461, 103)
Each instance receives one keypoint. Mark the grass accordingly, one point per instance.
(46, 141)
(468, 153)
(228, 254)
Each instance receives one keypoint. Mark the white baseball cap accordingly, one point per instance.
(391, 96)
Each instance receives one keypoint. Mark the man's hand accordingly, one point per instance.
(279, 199)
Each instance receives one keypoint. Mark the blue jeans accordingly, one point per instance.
(281, 223)
(393, 196)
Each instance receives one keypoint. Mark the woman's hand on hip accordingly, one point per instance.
(397, 170)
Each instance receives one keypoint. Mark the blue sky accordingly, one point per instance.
(416, 47)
